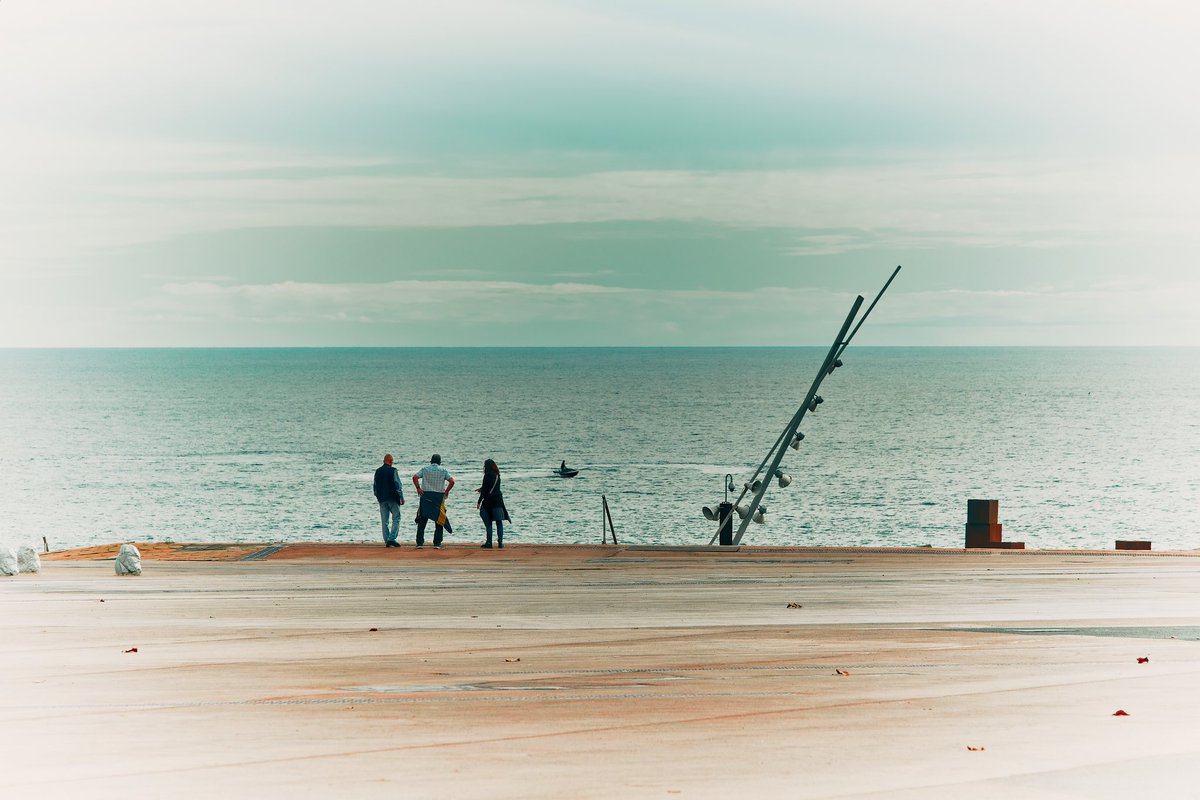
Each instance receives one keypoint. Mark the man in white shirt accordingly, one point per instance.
(433, 484)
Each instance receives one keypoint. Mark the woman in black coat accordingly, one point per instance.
(491, 504)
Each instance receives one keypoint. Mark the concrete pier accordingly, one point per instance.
(364, 672)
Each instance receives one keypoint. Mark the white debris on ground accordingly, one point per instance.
(28, 559)
(129, 560)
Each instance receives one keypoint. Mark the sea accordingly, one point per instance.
(1080, 446)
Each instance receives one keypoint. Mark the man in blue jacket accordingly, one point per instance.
(390, 496)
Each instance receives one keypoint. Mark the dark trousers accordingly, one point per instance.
(431, 502)
(496, 515)
(437, 532)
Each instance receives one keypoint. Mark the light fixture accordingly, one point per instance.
(837, 362)
(783, 478)
(796, 442)
(816, 401)
(755, 487)
(711, 513)
(760, 515)
(729, 487)
(742, 510)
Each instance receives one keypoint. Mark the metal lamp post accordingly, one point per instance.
(723, 513)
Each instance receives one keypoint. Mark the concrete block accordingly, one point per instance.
(983, 534)
(983, 511)
(1132, 544)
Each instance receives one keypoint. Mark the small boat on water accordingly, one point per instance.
(564, 471)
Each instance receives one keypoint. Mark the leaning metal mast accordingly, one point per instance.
(791, 436)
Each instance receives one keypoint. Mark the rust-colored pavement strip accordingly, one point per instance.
(339, 670)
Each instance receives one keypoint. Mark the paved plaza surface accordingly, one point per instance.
(363, 672)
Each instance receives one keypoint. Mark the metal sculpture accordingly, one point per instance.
(791, 436)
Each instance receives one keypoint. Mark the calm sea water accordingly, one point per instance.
(1081, 446)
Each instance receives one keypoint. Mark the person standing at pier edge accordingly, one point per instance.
(433, 484)
(491, 504)
(390, 495)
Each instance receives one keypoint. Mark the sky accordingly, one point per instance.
(651, 173)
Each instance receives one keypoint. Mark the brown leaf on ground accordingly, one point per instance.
(130, 650)
(1143, 659)
(372, 630)
(976, 749)
(511, 660)
(841, 672)
(794, 605)
(1120, 712)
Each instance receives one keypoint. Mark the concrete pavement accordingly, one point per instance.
(356, 671)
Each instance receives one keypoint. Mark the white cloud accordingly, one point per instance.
(488, 312)
(644, 316)
(902, 203)
(98, 151)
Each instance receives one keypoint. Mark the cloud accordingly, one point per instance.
(457, 302)
(854, 129)
(514, 313)
(508, 310)
(1129, 311)
(906, 202)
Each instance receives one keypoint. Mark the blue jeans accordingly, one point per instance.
(392, 508)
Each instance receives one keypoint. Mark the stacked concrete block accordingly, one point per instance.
(983, 523)
(984, 529)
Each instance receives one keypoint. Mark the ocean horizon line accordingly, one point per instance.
(165, 348)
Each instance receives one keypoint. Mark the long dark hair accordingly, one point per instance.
(490, 468)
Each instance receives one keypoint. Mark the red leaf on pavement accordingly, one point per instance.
(841, 672)
(976, 749)
(1120, 712)
(131, 650)
(1143, 659)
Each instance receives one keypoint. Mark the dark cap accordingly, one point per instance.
(435, 459)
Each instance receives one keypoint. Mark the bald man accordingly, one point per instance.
(390, 496)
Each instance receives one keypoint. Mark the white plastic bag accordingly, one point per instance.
(8, 561)
(28, 560)
(129, 560)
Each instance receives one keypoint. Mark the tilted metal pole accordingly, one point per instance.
(790, 430)
(867, 313)
(829, 368)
